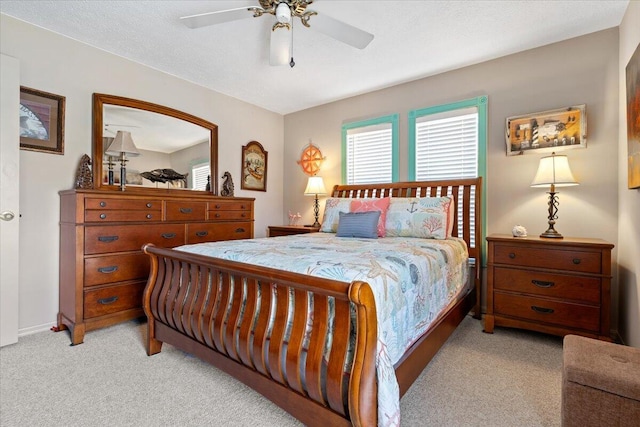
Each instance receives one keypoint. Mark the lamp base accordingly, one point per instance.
(552, 234)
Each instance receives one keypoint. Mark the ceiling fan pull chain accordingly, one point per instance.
(292, 62)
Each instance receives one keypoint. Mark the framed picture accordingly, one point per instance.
(633, 119)
(551, 130)
(41, 121)
(254, 167)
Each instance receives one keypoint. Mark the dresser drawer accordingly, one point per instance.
(112, 299)
(562, 286)
(229, 215)
(208, 232)
(123, 216)
(186, 211)
(115, 268)
(229, 206)
(559, 313)
(120, 238)
(553, 258)
(122, 204)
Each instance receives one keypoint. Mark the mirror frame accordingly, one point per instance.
(99, 100)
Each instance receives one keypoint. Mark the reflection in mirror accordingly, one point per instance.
(165, 144)
(177, 151)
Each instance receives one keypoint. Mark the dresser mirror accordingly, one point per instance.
(172, 151)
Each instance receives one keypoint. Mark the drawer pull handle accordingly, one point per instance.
(201, 233)
(106, 301)
(217, 215)
(103, 204)
(186, 210)
(542, 310)
(543, 284)
(240, 230)
(512, 255)
(243, 215)
(149, 216)
(168, 235)
(242, 207)
(149, 205)
(110, 269)
(217, 206)
(107, 239)
(103, 216)
(576, 261)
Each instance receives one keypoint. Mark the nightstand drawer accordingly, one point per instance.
(561, 286)
(559, 259)
(564, 314)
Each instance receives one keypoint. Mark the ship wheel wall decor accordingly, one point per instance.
(311, 160)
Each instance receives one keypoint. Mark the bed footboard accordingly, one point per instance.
(272, 330)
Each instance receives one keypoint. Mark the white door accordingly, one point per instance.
(9, 197)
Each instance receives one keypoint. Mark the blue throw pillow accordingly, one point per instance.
(358, 224)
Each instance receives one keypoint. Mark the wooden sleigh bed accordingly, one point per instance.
(227, 324)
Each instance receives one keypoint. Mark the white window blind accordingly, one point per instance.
(200, 173)
(369, 154)
(447, 145)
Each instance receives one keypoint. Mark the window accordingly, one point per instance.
(200, 174)
(370, 151)
(449, 142)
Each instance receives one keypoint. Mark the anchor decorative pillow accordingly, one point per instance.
(424, 217)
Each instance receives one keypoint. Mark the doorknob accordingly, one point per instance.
(7, 216)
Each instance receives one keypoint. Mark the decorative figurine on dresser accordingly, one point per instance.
(103, 271)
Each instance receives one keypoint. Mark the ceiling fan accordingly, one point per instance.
(281, 32)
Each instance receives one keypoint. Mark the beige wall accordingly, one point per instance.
(629, 200)
(59, 65)
(583, 70)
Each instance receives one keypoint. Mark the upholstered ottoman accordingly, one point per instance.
(600, 383)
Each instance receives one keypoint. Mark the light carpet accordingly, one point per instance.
(509, 378)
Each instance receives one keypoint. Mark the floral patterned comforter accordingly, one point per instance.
(413, 280)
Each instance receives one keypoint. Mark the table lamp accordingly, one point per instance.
(315, 187)
(122, 146)
(553, 171)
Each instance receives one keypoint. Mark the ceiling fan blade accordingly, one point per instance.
(213, 18)
(280, 46)
(340, 31)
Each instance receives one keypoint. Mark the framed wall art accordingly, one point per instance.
(551, 130)
(41, 121)
(633, 119)
(254, 167)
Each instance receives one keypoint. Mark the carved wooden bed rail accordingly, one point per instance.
(190, 303)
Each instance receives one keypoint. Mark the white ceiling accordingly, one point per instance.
(413, 39)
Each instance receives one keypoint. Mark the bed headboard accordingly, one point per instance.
(466, 193)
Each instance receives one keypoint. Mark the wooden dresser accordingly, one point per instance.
(556, 286)
(103, 270)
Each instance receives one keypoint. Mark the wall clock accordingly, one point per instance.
(311, 159)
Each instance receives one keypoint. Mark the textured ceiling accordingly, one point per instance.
(413, 39)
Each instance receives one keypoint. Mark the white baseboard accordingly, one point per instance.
(35, 329)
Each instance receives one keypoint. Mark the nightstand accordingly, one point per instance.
(555, 286)
(287, 230)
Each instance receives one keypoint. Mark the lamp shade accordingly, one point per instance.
(122, 143)
(554, 170)
(315, 186)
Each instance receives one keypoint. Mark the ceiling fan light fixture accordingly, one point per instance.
(283, 13)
